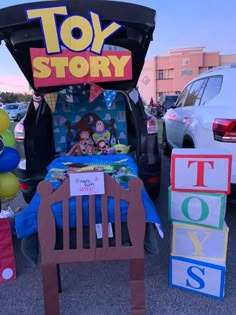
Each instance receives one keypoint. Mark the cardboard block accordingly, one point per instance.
(202, 209)
(203, 170)
(200, 243)
(197, 276)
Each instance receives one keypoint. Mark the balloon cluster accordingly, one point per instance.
(9, 159)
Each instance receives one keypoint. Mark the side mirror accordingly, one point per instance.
(134, 95)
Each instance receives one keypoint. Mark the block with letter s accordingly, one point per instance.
(197, 276)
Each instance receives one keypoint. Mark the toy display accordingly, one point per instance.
(85, 127)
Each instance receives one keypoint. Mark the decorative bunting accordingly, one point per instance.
(110, 96)
(51, 99)
(95, 91)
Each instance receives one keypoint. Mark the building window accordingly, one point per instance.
(165, 74)
(160, 75)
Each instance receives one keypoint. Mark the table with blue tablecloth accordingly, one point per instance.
(122, 167)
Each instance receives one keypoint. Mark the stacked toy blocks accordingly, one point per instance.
(200, 182)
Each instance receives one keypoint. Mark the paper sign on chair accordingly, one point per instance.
(201, 170)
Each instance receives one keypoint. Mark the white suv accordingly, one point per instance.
(204, 115)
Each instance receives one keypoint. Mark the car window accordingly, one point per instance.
(183, 95)
(195, 93)
(10, 107)
(212, 89)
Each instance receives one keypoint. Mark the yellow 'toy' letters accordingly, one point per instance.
(91, 34)
(197, 243)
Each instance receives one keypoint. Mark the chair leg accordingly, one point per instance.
(137, 287)
(50, 289)
(59, 279)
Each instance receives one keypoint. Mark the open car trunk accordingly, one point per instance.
(21, 35)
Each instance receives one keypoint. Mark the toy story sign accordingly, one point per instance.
(74, 53)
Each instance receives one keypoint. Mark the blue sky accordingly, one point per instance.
(179, 23)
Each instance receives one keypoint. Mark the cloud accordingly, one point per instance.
(98, 108)
(122, 135)
(83, 109)
(107, 117)
(14, 83)
(63, 140)
(56, 130)
(77, 118)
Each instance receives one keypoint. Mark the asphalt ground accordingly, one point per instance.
(103, 288)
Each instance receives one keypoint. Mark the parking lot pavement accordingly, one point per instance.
(102, 288)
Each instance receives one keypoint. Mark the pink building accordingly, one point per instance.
(169, 74)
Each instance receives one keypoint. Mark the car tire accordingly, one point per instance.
(188, 144)
(154, 193)
(165, 146)
(18, 118)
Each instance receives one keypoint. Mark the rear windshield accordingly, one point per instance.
(172, 98)
(10, 106)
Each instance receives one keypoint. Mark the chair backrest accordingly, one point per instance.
(47, 230)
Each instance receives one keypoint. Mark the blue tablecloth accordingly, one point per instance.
(121, 167)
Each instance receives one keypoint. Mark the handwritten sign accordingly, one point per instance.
(91, 183)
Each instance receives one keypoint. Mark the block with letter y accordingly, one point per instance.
(197, 276)
(195, 242)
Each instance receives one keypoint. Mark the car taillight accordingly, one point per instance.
(224, 130)
(23, 186)
(19, 136)
(153, 180)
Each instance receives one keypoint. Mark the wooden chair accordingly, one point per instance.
(51, 257)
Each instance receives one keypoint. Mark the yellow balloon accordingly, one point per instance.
(4, 120)
(9, 185)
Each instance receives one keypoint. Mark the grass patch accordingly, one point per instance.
(12, 126)
(160, 130)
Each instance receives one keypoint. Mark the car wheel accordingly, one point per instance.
(165, 146)
(188, 144)
(18, 118)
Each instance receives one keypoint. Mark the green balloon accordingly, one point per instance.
(8, 138)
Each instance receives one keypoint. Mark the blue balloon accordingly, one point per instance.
(9, 160)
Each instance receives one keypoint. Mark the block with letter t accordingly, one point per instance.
(202, 209)
(195, 242)
(201, 170)
(197, 276)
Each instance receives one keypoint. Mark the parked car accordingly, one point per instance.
(168, 102)
(204, 115)
(39, 144)
(19, 130)
(15, 111)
